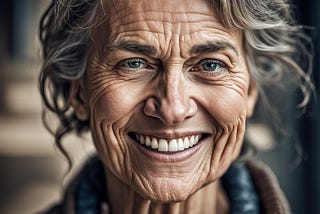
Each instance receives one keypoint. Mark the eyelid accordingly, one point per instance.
(206, 60)
(122, 67)
(226, 57)
(133, 59)
(117, 55)
(213, 60)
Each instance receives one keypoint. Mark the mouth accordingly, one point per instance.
(167, 146)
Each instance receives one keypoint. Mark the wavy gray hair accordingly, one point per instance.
(275, 46)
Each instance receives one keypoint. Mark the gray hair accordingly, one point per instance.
(275, 46)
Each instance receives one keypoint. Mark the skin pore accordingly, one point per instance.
(168, 74)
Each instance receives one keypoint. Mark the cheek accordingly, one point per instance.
(228, 98)
(111, 96)
(115, 104)
(109, 115)
(226, 106)
(111, 109)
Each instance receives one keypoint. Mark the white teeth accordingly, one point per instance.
(180, 144)
(186, 142)
(142, 140)
(192, 141)
(174, 145)
(148, 141)
(163, 145)
(154, 143)
(197, 139)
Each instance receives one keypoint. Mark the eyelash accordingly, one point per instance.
(125, 64)
(218, 66)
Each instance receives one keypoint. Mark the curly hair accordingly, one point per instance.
(274, 44)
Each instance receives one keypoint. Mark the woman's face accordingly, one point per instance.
(167, 92)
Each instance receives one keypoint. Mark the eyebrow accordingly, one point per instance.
(212, 46)
(134, 47)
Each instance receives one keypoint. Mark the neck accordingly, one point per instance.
(122, 199)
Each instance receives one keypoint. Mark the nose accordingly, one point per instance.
(171, 102)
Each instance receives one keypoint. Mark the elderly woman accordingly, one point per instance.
(165, 88)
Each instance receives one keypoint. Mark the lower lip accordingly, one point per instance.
(169, 156)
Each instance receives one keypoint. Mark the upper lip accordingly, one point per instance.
(170, 134)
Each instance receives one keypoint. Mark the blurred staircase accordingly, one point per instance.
(31, 169)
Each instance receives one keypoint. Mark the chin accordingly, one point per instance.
(169, 192)
(168, 197)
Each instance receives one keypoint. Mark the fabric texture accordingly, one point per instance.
(242, 193)
(251, 186)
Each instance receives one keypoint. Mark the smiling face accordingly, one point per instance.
(167, 92)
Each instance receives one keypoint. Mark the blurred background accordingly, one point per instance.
(31, 169)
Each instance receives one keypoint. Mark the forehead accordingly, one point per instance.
(169, 12)
(164, 10)
(156, 20)
(122, 7)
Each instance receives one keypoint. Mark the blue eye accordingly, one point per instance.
(210, 65)
(133, 63)
(135, 66)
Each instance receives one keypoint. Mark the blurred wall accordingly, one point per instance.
(31, 171)
(309, 125)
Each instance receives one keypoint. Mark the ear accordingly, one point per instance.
(252, 98)
(78, 101)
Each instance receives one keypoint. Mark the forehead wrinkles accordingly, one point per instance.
(130, 20)
(125, 15)
(161, 22)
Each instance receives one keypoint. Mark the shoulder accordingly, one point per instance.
(270, 194)
(84, 192)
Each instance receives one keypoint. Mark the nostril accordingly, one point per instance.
(192, 108)
(169, 110)
(151, 107)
